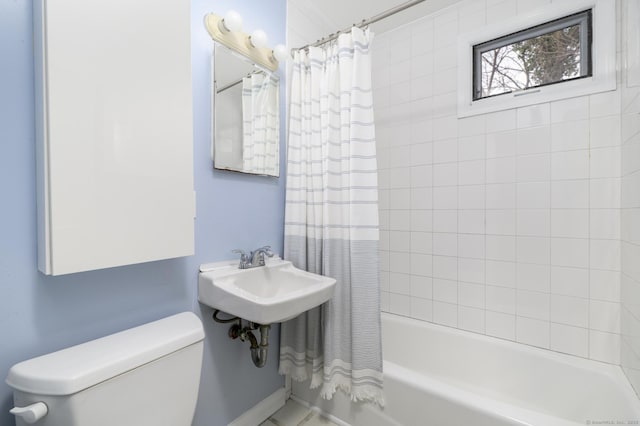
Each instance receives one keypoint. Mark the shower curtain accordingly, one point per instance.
(260, 127)
(331, 219)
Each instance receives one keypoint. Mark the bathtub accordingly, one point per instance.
(441, 376)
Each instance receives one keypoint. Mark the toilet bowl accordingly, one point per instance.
(144, 376)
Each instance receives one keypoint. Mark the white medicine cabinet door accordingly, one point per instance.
(114, 133)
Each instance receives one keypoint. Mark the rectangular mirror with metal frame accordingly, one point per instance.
(246, 118)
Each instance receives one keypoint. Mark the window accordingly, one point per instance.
(550, 53)
(559, 51)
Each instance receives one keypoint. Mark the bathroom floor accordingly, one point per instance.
(295, 414)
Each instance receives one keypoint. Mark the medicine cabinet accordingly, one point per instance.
(113, 133)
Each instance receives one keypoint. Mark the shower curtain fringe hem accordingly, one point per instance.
(361, 393)
(358, 393)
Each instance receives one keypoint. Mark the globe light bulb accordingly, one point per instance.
(258, 39)
(280, 53)
(232, 21)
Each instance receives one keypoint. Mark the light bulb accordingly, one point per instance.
(280, 52)
(232, 21)
(258, 39)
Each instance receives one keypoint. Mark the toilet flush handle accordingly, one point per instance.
(31, 413)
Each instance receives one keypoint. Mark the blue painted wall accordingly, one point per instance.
(40, 314)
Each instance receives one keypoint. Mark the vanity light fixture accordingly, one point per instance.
(280, 52)
(228, 32)
(259, 39)
(232, 22)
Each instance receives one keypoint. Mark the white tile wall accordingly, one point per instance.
(628, 312)
(506, 224)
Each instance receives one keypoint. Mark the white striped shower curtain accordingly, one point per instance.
(331, 219)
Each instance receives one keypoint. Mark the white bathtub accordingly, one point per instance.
(441, 376)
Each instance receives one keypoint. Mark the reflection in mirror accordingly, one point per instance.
(247, 115)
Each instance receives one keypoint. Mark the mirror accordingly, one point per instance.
(246, 136)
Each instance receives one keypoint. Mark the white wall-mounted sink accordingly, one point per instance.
(267, 294)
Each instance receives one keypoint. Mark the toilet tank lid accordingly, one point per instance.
(73, 369)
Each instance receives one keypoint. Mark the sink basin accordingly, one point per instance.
(267, 294)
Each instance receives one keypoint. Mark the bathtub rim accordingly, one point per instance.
(560, 357)
(612, 371)
(490, 407)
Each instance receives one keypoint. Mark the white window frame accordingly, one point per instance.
(603, 58)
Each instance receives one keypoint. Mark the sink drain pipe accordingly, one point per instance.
(258, 351)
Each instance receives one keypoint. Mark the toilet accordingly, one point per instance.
(144, 376)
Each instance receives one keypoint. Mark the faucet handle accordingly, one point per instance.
(244, 259)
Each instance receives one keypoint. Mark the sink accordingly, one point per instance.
(267, 294)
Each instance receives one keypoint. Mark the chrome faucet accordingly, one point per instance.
(254, 258)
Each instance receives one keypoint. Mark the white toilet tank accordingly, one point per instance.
(144, 376)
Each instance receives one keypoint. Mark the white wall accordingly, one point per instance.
(630, 119)
(506, 224)
(303, 29)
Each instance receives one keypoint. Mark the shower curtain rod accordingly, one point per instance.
(363, 23)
